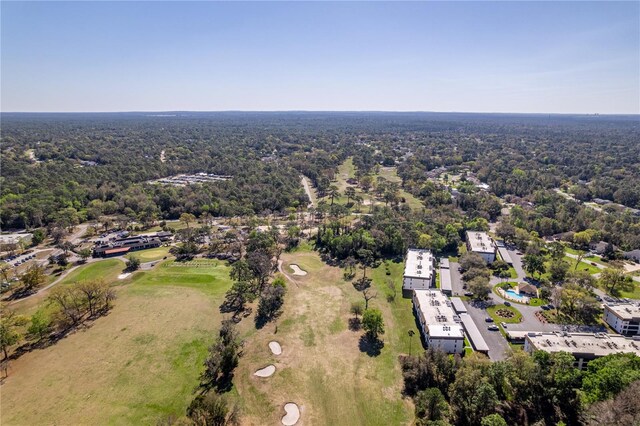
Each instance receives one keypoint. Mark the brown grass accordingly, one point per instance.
(321, 368)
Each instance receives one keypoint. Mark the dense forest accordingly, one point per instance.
(60, 168)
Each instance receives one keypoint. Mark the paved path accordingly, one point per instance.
(143, 267)
(498, 345)
(307, 189)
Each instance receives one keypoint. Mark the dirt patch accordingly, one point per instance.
(123, 276)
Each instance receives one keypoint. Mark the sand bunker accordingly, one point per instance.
(266, 372)
(275, 347)
(123, 276)
(297, 270)
(292, 416)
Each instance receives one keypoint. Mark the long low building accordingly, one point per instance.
(583, 346)
(623, 317)
(504, 254)
(458, 305)
(439, 324)
(475, 338)
(419, 273)
(125, 245)
(445, 281)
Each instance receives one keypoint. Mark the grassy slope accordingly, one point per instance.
(322, 368)
(105, 269)
(137, 365)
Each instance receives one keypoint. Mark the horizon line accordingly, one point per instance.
(320, 111)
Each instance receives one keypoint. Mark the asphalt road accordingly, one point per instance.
(498, 345)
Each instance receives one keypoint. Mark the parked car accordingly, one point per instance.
(493, 327)
(488, 319)
(503, 324)
(550, 306)
(468, 293)
(507, 303)
(544, 307)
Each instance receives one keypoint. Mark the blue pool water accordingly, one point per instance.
(514, 294)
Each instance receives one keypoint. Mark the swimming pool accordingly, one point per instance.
(514, 294)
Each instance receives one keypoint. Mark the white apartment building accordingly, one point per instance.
(623, 318)
(583, 346)
(419, 271)
(439, 324)
(481, 243)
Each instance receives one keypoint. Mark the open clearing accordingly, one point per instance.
(323, 369)
(137, 365)
(347, 171)
(107, 270)
(150, 255)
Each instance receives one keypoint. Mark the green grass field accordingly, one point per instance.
(108, 270)
(635, 294)
(150, 255)
(137, 365)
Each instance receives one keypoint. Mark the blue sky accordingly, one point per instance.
(572, 57)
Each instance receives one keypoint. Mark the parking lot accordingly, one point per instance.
(497, 343)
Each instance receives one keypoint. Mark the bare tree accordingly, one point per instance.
(368, 294)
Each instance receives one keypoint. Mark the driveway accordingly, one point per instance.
(498, 345)
(517, 264)
(456, 279)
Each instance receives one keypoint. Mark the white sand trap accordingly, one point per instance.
(265, 372)
(123, 276)
(297, 270)
(292, 416)
(275, 347)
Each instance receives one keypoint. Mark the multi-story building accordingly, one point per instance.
(481, 243)
(419, 271)
(439, 324)
(583, 346)
(623, 318)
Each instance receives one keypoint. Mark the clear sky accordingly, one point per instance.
(571, 57)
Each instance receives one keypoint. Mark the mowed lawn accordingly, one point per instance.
(107, 270)
(137, 365)
(150, 255)
(322, 368)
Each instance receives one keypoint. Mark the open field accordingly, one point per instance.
(107, 270)
(391, 174)
(137, 365)
(150, 255)
(346, 170)
(322, 368)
